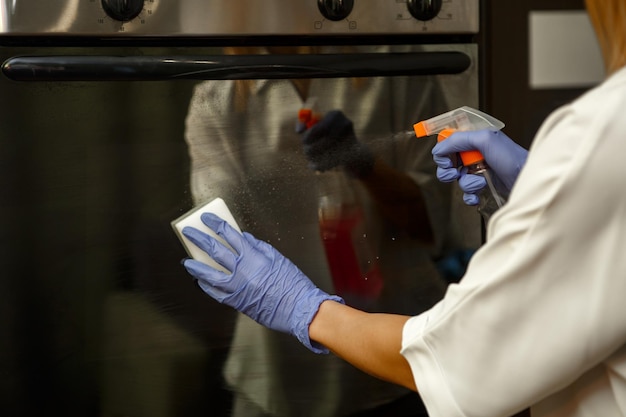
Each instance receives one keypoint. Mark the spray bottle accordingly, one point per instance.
(466, 119)
(353, 266)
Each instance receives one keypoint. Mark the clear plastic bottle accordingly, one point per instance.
(490, 199)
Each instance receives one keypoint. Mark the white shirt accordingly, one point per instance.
(539, 319)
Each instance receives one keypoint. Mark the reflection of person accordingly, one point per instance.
(537, 321)
(244, 148)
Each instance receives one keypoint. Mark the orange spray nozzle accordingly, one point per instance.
(461, 119)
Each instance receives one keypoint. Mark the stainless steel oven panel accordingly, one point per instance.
(231, 17)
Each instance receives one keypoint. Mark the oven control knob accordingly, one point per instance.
(335, 9)
(424, 9)
(122, 10)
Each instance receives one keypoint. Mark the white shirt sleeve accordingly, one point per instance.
(542, 300)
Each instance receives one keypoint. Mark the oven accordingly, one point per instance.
(119, 116)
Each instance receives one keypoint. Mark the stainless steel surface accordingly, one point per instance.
(230, 17)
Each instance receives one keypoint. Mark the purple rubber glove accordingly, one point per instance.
(332, 142)
(264, 285)
(505, 158)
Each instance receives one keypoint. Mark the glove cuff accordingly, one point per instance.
(303, 316)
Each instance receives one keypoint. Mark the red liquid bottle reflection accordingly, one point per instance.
(353, 265)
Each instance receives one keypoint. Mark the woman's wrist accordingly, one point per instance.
(369, 341)
(321, 329)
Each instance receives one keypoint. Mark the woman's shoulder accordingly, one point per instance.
(605, 102)
(602, 105)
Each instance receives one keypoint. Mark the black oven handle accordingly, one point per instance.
(231, 67)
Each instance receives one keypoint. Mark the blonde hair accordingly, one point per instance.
(609, 20)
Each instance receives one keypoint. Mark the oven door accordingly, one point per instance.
(101, 152)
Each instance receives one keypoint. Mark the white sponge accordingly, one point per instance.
(192, 218)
